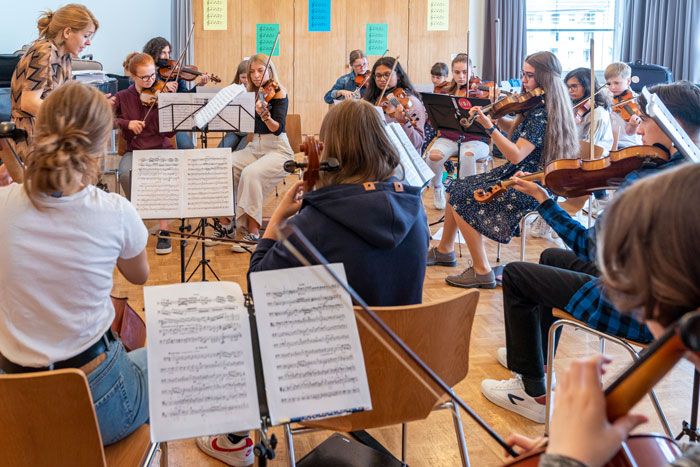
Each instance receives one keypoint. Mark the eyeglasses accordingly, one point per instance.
(384, 76)
(147, 77)
(573, 86)
(527, 75)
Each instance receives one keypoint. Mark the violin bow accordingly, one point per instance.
(356, 92)
(267, 66)
(596, 93)
(393, 68)
(591, 137)
(178, 64)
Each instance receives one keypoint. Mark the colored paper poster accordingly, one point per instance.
(438, 15)
(319, 15)
(215, 15)
(266, 34)
(376, 38)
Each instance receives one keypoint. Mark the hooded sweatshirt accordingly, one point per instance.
(380, 236)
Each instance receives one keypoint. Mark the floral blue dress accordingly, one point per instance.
(499, 220)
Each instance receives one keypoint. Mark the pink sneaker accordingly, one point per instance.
(219, 447)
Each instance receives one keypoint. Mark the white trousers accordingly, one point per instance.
(470, 151)
(257, 169)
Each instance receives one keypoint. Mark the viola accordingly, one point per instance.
(658, 359)
(572, 178)
(625, 105)
(186, 72)
(312, 149)
(397, 97)
(149, 96)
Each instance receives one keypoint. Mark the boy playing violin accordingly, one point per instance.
(618, 76)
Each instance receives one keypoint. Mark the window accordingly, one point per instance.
(579, 23)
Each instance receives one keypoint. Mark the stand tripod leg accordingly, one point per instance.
(691, 429)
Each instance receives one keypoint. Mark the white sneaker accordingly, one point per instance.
(540, 229)
(439, 197)
(220, 231)
(245, 247)
(510, 394)
(219, 447)
(502, 357)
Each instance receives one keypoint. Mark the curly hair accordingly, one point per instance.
(155, 46)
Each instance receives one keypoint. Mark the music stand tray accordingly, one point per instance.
(450, 113)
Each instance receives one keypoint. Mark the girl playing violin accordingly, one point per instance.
(160, 49)
(260, 166)
(545, 133)
(334, 218)
(235, 140)
(445, 146)
(643, 276)
(58, 259)
(130, 112)
(346, 86)
(578, 82)
(438, 75)
(410, 115)
(47, 63)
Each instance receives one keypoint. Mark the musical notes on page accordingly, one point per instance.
(312, 357)
(169, 183)
(201, 376)
(230, 108)
(416, 171)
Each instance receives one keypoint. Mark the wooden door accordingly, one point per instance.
(218, 52)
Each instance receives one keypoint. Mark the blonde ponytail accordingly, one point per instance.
(74, 16)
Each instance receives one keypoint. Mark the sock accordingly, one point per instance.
(235, 439)
(534, 387)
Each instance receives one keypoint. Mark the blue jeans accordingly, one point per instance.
(119, 388)
(183, 139)
(233, 140)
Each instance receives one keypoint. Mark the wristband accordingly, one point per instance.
(490, 130)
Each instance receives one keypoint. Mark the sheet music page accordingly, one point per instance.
(311, 352)
(217, 104)
(423, 173)
(201, 376)
(156, 191)
(209, 183)
(239, 113)
(176, 110)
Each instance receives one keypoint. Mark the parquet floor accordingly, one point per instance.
(431, 442)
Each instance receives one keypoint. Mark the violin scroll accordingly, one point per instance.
(488, 195)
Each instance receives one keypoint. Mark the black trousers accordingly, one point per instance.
(530, 291)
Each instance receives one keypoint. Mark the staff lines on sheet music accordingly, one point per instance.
(199, 378)
(290, 375)
(222, 339)
(177, 358)
(317, 351)
(320, 395)
(327, 339)
(315, 362)
(306, 331)
(181, 411)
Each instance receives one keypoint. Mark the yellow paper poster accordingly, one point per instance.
(438, 15)
(215, 15)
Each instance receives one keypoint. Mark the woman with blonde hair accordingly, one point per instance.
(259, 167)
(379, 233)
(46, 65)
(58, 259)
(545, 133)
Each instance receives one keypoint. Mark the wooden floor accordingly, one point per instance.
(430, 442)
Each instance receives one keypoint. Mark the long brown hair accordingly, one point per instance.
(648, 252)
(71, 134)
(74, 16)
(453, 87)
(561, 140)
(353, 132)
(272, 72)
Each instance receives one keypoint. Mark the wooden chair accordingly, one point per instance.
(566, 319)
(293, 128)
(439, 334)
(48, 418)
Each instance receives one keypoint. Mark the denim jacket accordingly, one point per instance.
(345, 82)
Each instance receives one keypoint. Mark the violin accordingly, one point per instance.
(581, 109)
(312, 149)
(572, 178)
(186, 72)
(363, 79)
(268, 90)
(150, 96)
(514, 103)
(625, 106)
(658, 359)
(480, 89)
(397, 97)
(441, 88)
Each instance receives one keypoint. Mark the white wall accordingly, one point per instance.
(125, 26)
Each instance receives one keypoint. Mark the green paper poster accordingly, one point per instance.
(266, 34)
(376, 38)
(438, 15)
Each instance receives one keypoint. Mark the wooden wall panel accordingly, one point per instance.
(319, 59)
(271, 11)
(392, 12)
(427, 47)
(218, 52)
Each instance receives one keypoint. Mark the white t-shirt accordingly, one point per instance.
(56, 269)
(603, 135)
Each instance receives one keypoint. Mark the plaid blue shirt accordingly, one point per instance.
(589, 304)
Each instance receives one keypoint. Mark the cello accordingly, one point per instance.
(643, 450)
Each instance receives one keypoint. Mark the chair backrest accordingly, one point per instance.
(48, 418)
(439, 334)
(293, 128)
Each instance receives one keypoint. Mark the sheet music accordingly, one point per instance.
(201, 376)
(417, 173)
(311, 352)
(217, 103)
(171, 183)
(209, 183)
(176, 110)
(657, 110)
(156, 192)
(240, 112)
(184, 111)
